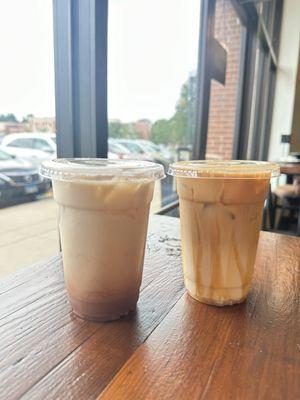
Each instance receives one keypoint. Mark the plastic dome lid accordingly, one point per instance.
(100, 169)
(234, 169)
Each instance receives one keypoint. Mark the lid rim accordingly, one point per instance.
(100, 169)
(226, 169)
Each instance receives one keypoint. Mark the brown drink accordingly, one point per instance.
(103, 209)
(221, 206)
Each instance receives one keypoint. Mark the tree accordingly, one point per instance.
(115, 129)
(129, 132)
(161, 131)
(8, 118)
(119, 130)
(179, 129)
(180, 118)
(173, 131)
(26, 119)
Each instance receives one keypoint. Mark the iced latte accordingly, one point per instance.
(103, 209)
(221, 205)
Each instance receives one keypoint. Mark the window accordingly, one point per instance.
(28, 219)
(152, 76)
(41, 144)
(132, 147)
(251, 65)
(223, 106)
(117, 148)
(22, 143)
(4, 156)
(181, 75)
(269, 17)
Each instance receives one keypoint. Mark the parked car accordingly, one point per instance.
(34, 147)
(131, 145)
(158, 150)
(117, 149)
(134, 151)
(140, 151)
(19, 179)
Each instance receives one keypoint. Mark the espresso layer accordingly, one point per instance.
(220, 224)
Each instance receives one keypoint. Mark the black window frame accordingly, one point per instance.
(80, 58)
(268, 37)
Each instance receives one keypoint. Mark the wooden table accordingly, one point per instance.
(172, 348)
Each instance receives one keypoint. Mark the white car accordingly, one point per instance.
(151, 147)
(116, 150)
(35, 147)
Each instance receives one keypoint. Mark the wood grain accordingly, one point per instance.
(47, 353)
(248, 351)
(173, 347)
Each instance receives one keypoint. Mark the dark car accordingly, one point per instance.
(19, 179)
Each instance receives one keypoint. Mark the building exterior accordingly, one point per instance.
(38, 124)
(223, 98)
(143, 128)
(12, 127)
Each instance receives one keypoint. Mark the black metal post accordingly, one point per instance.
(203, 84)
(80, 46)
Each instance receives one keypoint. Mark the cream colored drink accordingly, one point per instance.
(221, 205)
(103, 222)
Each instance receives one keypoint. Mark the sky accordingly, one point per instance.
(152, 48)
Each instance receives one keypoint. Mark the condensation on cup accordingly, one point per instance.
(221, 205)
(103, 210)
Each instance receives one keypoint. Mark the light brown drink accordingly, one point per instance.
(103, 226)
(220, 214)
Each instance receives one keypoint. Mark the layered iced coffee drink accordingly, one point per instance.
(221, 205)
(103, 209)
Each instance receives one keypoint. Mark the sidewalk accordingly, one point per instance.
(28, 234)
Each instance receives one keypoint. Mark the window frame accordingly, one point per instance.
(268, 36)
(251, 137)
(80, 58)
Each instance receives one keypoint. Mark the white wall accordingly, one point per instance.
(286, 76)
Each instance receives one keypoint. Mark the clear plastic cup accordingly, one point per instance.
(221, 205)
(103, 210)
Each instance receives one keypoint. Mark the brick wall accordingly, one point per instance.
(143, 128)
(223, 98)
